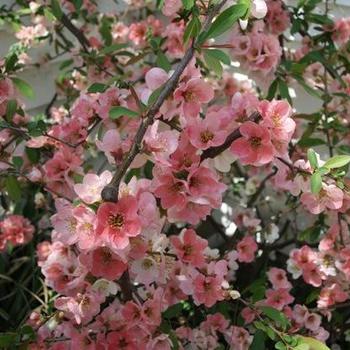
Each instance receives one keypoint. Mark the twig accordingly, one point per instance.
(75, 31)
(212, 152)
(110, 192)
(257, 193)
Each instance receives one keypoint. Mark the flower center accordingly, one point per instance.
(255, 142)
(206, 136)
(116, 221)
(147, 264)
(189, 96)
(188, 249)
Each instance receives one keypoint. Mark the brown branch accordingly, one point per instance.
(212, 152)
(257, 193)
(75, 31)
(110, 192)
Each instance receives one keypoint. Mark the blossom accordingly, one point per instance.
(278, 278)
(192, 94)
(278, 298)
(254, 147)
(190, 247)
(329, 197)
(102, 262)
(116, 222)
(90, 190)
(207, 290)
(205, 133)
(170, 7)
(246, 249)
(16, 230)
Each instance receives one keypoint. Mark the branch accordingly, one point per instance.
(257, 193)
(110, 192)
(212, 152)
(75, 31)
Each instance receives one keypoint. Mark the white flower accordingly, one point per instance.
(259, 9)
(90, 190)
(272, 234)
(105, 287)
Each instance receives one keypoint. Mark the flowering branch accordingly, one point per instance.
(110, 192)
(212, 152)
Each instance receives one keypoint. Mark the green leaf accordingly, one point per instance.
(337, 161)
(280, 346)
(11, 109)
(314, 344)
(192, 30)
(119, 111)
(17, 162)
(97, 87)
(258, 341)
(275, 315)
(219, 55)
(7, 339)
(10, 62)
(316, 182)
(310, 235)
(284, 91)
(65, 64)
(226, 20)
(310, 142)
(163, 62)
(13, 188)
(173, 311)
(56, 9)
(311, 91)
(112, 48)
(213, 64)
(23, 87)
(154, 96)
(188, 4)
(311, 156)
(272, 90)
(33, 154)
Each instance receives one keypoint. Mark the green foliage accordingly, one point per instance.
(119, 111)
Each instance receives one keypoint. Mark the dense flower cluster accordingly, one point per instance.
(182, 209)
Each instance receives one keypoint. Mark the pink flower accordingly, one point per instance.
(313, 321)
(246, 249)
(238, 338)
(278, 298)
(330, 197)
(278, 278)
(205, 133)
(6, 90)
(207, 290)
(277, 18)
(90, 190)
(190, 247)
(15, 229)
(254, 147)
(174, 44)
(192, 95)
(341, 31)
(170, 7)
(312, 274)
(331, 295)
(116, 222)
(81, 308)
(102, 262)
